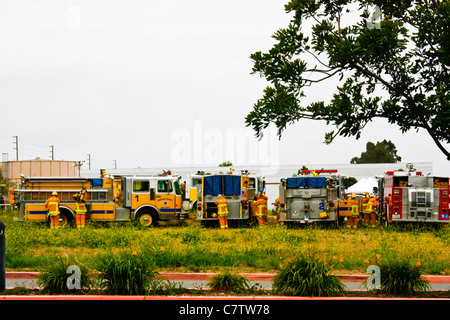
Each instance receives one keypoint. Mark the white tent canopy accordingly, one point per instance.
(363, 185)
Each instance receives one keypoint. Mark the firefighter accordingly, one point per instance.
(118, 198)
(80, 211)
(183, 190)
(11, 196)
(222, 211)
(261, 209)
(83, 194)
(388, 204)
(52, 205)
(364, 201)
(277, 209)
(372, 206)
(352, 222)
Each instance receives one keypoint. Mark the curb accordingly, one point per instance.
(250, 276)
(198, 298)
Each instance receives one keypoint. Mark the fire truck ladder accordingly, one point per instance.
(39, 196)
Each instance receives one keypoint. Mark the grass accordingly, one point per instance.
(53, 278)
(399, 276)
(33, 246)
(229, 282)
(127, 273)
(308, 276)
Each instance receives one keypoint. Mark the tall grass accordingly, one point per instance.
(33, 246)
(398, 276)
(307, 276)
(402, 277)
(53, 278)
(126, 273)
(227, 282)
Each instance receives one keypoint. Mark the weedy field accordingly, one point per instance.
(192, 248)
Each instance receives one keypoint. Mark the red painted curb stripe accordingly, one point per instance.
(22, 275)
(152, 298)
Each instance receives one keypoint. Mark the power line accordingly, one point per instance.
(32, 144)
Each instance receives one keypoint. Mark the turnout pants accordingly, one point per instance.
(352, 222)
(54, 222)
(370, 217)
(261, 219)
(223, 221)
(80, 221)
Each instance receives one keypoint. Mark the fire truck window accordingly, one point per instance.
(401, 182)
(177, 188)
(165, 186)
(251, 183)
(141, 186)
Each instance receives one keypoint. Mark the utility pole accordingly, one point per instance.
(115, 164)
(52, 152)
(78, 164)
(17, 147)
(89, 159)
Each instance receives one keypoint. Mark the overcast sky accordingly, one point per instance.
(157, 83)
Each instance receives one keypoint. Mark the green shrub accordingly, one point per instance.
(307, 276)
(125, 273)
(227, 282)
(54, 277)
(402, 277)
(399, 276)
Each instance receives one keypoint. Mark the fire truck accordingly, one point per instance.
(190, 190)
(240, 190)
(311, 196)
(146, 199)
(411, 196)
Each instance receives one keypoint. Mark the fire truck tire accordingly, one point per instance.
(65, 218)
(147, 219)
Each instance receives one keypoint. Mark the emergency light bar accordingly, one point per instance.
(323, 171)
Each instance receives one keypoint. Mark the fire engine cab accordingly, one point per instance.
(411, 196)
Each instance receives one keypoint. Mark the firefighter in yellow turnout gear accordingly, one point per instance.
(261, 209)
(80, 211)
(364, 201)
(52, 205)
(352, 222)
(371, 211)
(222, 211)
(278, 209)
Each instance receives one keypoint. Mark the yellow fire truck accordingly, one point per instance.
(190, 190)
(146, 199)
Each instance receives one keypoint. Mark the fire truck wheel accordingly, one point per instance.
(147, 219)
(63, 220)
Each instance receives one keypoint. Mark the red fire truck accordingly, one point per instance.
(411, 196)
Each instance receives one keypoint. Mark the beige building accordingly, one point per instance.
(38, 168)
